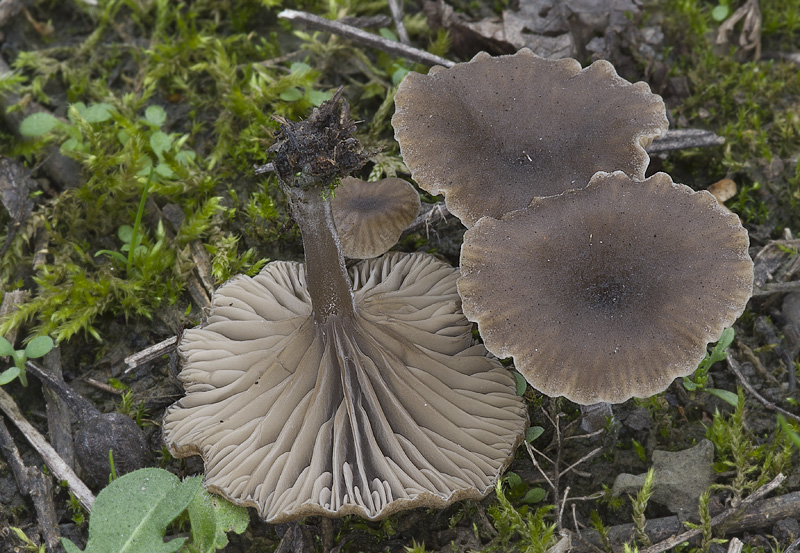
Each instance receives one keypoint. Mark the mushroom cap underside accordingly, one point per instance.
(608, 292)
(371, 216)
(494, 133)
(392, 410)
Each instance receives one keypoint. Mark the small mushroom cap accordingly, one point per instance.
(370, 216)
(607, 292)
(494, 133)
(391, 410)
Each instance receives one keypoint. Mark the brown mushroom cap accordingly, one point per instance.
(494, 133)
(607, 292)
(370, 216)
(392, 410)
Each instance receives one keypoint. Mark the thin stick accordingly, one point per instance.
(793, 546)
(363, 37)
(581, 460)
(680, 538)
(737, 370)
(103, 386)
(150, 353)
(396, 7)
(55, 463)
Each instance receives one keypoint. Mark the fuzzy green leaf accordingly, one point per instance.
(39, 346)
(155, 115)
(160, 142)
(132, 513)
(5, 347)
(8, 375)
(97, 113)
(211, 517)
(37, 124)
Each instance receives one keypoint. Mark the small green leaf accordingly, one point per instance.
(793, 436)
(131, 514)
(116, 255)
(534, 495)
(125, 233)
(211, 517)
(533, 432)
(291, 94)
(388, 34)
(155, 115)
(39, 346)
(689, 384)
(5, 347)
(300, 68)
(720, 12)
(719, 351)
(317, 97)
(724, 395)
(399, 74)
(522, 384)
(8, 375)
(97, 113)
(37, 124)
(513, 479)
(160, 142)
(164, 170)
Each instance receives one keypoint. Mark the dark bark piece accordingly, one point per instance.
(32, 482)
(59, 427)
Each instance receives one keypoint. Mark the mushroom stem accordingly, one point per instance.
(326, 274)
(311, 157)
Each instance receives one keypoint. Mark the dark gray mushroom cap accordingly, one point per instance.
(607, 292)
(391, 410)
(493, 133)
(370, 216)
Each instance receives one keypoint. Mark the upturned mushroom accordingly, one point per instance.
(494, 133)
(317, 390)
(609, 292)
(370, 216)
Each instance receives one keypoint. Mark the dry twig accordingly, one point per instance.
(55, 463)
(737, 370)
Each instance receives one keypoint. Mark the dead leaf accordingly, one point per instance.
(723, 190)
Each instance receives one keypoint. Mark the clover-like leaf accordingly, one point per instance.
(155, 115)
(38, 347)
(8, 375)
(5, 347)
(37, 124)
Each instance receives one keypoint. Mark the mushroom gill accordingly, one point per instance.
(318, 390)
(390, 410)
(607, 292)
(370, 216)
(494, 133)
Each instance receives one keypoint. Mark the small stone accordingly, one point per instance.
(680, 477)
(786, 530)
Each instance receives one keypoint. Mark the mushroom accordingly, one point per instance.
(317, 390)
(494, 133)
(370, 216)
(607, 292)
